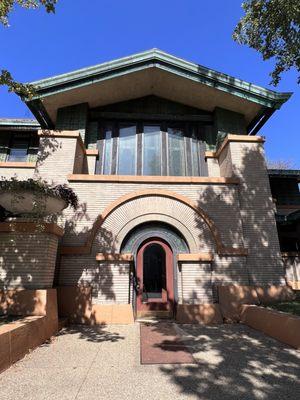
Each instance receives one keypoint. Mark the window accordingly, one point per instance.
(127, 149)
(139, 148)
(107, 157)
(195, 154)
(176, 152)
(152, 150)
(18, 147)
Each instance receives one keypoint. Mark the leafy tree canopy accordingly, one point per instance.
(6, 7)
(272, 27)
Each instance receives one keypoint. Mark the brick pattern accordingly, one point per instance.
(21, 173)
(264, 261)
(213, 166)
(220, 202)
(243, 215)
(196, 283)
(109, 281)
(225, 163)
(57, 158)
(27, 260)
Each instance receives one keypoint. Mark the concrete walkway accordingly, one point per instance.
(233, 362)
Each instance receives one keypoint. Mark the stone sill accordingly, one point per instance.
(16, 164)
(153, 179)
(128, 257)
(196, 257)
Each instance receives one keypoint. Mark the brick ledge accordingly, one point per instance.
(153, 179)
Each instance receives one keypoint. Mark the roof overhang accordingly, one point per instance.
(15, 124)
(154, 73)
(284, 173)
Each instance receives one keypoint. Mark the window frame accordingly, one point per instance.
(31, 140)
(143, 124)
(191, 130)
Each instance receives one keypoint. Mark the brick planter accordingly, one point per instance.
(40, 322)
(281, 326)
(28, 254)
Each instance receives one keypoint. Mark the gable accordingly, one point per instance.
(154, 73)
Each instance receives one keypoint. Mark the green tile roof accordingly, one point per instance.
(160, 59)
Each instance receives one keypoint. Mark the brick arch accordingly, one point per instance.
(87, 247)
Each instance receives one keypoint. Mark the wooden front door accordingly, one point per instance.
(155, 279)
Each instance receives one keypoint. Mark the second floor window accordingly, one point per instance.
(18, 147)
(127, 150)
(136, 148)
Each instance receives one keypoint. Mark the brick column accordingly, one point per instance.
(60, 153)
(243, 157)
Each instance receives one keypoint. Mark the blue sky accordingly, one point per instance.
(84, 33)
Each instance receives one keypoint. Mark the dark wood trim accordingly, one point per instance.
(188, 156)
(164, 152)
(139, 149)
(150, 117)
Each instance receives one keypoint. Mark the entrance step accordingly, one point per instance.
(154, 315)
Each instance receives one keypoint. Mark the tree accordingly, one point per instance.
(6, 7)
(280, 164)
(272, 27)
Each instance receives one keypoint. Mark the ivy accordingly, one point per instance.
(40, 187)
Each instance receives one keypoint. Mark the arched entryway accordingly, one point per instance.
(155, 279)
(154, 246)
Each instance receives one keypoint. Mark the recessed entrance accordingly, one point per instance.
(155, 295)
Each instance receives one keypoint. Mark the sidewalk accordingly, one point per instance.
(233, 362)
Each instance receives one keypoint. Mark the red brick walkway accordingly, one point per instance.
(160, 344)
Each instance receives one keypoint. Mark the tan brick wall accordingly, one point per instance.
(27, 260)
(94, 197)
(213, 167)
(220, 202)
(21, 173)
(264, 263)
(242, 214)
(195, 283)
(225, 163)
(57, 157)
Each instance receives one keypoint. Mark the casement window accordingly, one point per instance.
(141, 148)
(18, 147)
(107, 156)
(152, 144)
(127, 149)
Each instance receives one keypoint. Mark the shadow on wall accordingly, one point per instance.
(247, 221)
(234, 362)
(47, 146)
(86, 268)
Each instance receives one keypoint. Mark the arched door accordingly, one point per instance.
(155, 278)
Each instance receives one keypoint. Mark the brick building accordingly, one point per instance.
(172, 182)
